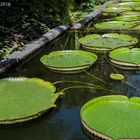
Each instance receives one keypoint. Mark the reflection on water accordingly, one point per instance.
(64, 122)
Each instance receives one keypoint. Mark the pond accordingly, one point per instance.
(64, 122)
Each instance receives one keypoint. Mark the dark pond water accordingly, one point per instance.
(64, 122)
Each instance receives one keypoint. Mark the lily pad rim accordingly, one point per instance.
(123, 61)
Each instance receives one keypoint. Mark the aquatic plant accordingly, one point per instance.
(115, 25)
(69, 61)
(127, 18)
(106, 42)
(29, 99)
(116, 76)
(125, 58)
(112, 117)
(116, 10)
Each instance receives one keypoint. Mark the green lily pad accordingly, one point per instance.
(137, 27)
(116, 76)
(97, 42)
(116, 10)
(127, 18)
(69, 61)
(134, 13)
(23, 99)
(115, 25)
(112, 117)
(125, 57)
(136, 8)
(128, 4)
(130, 0)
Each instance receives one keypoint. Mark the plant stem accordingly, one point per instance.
(78, 82)
(88, 87)
(95, 77)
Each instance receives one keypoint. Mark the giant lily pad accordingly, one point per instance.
(134, 13)
(137, 28)
(128, 4)
(125, 58)
(130, 0)
(116, 10)
(69, 61)
(96, 42)
(115, 25)
(127, 18)
(112, 117)
(137, 8)
(23, 99)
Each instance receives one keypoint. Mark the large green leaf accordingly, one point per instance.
(126, 57)
(135, 13)
(112, 117)
(129, 4)
(116, 10)
(137, 28)
(106, 42)
(115, 25)
(130, 0)
(127, 18)
(69, 61)
(23, 99)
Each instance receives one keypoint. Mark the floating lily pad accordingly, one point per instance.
(69, 61)
(116, 10)
(112, 117)
(136, 8)
(137, 27)
(23, 99)
(115, 25)
(134, 13)
(116, 76)
(125, 58)
(128, 4)
(96, 42)
(130, 0)
(127, 18)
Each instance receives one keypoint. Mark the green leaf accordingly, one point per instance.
(116, 76)
(116, 10)
(112, 117)
(126, 57)
(129, 4)
(105, 42)
(134, 13)
(69, 61)
(23, 99)
(130, 0)
(127, 18)
(115, 25)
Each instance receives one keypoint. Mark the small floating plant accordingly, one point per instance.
(113, 117)
(69, 61)
(106, 42)
(116, 76)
